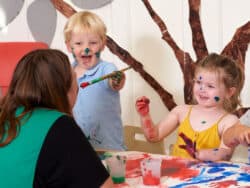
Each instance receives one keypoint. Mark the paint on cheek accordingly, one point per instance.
(200, 78)
(98, 54)
(216, 98)
(73, 53)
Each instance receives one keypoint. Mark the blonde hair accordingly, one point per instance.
(231, 73)
(85, 21)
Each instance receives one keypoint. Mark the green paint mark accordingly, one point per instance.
(98, 54)
(86, 51)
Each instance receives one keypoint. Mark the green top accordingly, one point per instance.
(18, 159)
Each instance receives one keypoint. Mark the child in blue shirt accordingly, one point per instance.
(97, 110)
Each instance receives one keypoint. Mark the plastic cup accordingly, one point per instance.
(116, 165)
(151, 171)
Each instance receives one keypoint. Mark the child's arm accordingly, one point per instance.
(223, 152)
(117, 81)
(155, 132)
(237, 134)
(216, 154)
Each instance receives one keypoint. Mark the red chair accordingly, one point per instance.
(10, 54)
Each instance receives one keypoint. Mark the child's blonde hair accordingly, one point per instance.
(231, 74)
(85, 21)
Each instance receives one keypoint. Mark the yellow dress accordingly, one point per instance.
(206, 139)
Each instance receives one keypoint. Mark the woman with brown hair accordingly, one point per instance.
(40, 143)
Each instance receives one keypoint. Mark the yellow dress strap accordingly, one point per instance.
(219, 120)
(189, 111)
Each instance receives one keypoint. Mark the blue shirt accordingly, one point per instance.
(98, 111)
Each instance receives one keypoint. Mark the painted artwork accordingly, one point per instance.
(180, 173)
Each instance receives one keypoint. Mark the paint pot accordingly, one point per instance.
(116, 165)
(151, 171)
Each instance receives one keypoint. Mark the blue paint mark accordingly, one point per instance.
(98, 54)
(216, 98)
(215, 170)
(200, 78)
(244, 177)
(226, 173)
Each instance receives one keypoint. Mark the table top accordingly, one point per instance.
(180, 173)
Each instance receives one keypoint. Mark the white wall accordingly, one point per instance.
(130, 25)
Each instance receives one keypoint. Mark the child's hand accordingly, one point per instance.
(244, 137)
(117, 80)
(237, 134)
(142, 105)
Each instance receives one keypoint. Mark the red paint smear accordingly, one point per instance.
(174, 167)
(178, 168)
(149, 179)
(133, 168)
(224, 184)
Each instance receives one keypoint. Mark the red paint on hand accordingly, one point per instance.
(142, 105)
(84, 84)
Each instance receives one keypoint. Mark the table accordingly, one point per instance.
(179, 173)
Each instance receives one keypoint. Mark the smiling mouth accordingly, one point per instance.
(86, 57)
(203, 97)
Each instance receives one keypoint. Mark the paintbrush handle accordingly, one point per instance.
(85, 84)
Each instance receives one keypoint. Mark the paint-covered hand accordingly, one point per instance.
(118, 80)
(189, 146)
(142, 105)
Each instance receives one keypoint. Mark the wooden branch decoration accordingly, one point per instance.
(198, 40)
(166, 97)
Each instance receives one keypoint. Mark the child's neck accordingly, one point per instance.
(80, 70)
(201, 117)
(208, 109)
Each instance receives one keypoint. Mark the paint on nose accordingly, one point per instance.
(216, 98)
(86, 51)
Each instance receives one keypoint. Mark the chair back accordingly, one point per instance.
(132, 135)
(10, 54)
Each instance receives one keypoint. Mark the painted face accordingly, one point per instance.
(208, 90)
(86, 48)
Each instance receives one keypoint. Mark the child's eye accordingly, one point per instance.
(210, 86)
(93, 42)
(198, 82)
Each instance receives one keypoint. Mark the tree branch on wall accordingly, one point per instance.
(235, 49)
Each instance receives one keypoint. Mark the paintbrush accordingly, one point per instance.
(85, 84)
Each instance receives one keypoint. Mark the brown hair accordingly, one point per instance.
(232, 75)
(42, 78)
